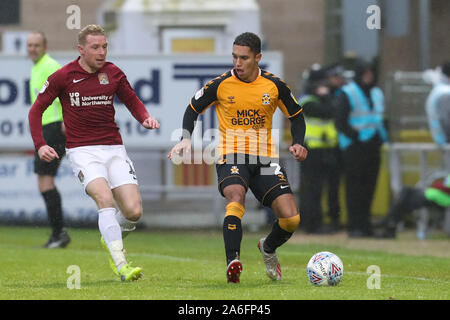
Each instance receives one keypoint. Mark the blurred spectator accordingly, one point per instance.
(321, 168)
(438, 107)
(437, 195)
(359, 121)
(53, 132)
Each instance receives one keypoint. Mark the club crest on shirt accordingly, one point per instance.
(103, 78)
(266, 99)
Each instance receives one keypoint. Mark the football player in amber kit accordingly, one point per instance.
(246, 99)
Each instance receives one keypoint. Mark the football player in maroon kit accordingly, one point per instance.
(94, 148)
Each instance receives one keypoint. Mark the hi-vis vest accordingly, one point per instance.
(320, 133)
(431, 106)
(366, 121)
(40, 72)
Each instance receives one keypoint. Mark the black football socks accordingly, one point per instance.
(52, 200)
(232, 236)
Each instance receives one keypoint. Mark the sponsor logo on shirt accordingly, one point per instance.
(89, 101)
(253, 117)
(199, 94)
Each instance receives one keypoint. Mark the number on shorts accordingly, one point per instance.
(277, 169)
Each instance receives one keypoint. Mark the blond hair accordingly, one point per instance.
(92, 29)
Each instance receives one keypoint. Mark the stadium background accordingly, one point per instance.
(168, 48)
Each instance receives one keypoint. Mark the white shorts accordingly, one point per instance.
(107, 161)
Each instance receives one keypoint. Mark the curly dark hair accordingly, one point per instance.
(250, 40)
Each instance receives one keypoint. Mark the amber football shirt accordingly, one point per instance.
(245, 111)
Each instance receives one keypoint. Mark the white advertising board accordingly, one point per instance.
(165, 83)
(20, 199)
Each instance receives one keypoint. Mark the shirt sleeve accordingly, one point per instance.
(298, 129)
(49, 91)
(55, 66)
(286, 100)
(206, 96)
(129, 98)
(189, 118)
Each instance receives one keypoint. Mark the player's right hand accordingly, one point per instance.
(47, 153)
(184, 145)
(299, 152)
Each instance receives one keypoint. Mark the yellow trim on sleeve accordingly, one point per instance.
(296, 113)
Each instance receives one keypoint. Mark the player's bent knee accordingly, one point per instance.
(289, 224)
(234, 193)
(133, 212)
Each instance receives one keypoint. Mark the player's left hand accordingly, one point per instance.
(299, 152)
(151, 123)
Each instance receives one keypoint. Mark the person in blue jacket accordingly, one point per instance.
(361, 133)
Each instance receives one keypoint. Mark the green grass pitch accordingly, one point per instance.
(191, 266)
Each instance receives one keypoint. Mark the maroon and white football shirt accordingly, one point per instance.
(87, 104)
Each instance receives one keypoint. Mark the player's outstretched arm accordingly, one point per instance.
(47, 153)
(150, 123)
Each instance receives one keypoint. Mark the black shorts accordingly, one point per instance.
(55, 139)
(266, 179)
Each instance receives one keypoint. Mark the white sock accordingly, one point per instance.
(125, 225)
(111, 233)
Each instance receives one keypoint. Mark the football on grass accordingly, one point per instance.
(325, 269)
